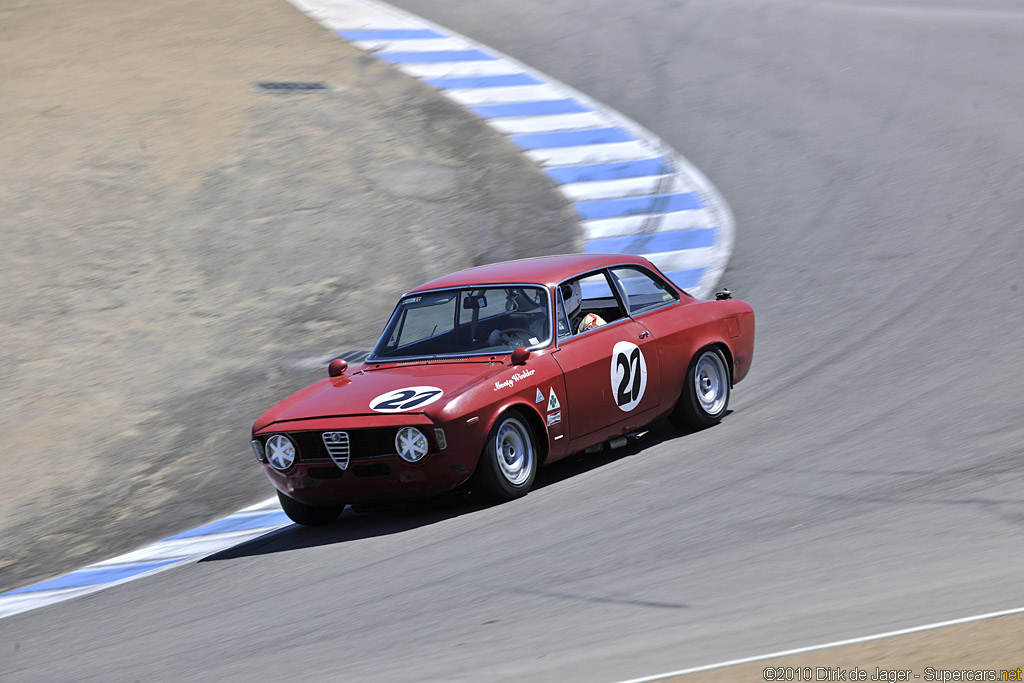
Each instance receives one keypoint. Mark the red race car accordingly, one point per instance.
(489, 373)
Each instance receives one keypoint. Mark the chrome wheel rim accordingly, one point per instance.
(515, 451)
(711, 381)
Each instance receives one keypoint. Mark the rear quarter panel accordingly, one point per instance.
(685, 328)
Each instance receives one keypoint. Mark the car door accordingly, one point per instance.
(654, 303)
(612, 377)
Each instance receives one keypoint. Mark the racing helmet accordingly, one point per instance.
(573, 298)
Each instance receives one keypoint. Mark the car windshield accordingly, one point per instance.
(458, 322)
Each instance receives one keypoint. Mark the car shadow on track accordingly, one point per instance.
(353, 526)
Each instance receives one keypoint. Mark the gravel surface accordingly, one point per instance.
(181, 250)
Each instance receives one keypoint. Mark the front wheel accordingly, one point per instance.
(705, 392)
(309, 515)
(508, 463)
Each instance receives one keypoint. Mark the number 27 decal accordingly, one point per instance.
(629, 375)
(400, 400)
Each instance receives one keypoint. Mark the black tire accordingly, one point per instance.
(309, 515)
(707, 389)
(508, 464)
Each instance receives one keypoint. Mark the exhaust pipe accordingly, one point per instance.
(617, 442)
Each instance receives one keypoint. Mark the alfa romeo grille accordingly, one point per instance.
(337, 447)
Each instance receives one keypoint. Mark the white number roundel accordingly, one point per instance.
(629, 375)
(409, 398)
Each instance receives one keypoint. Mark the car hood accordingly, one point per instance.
(355, 391)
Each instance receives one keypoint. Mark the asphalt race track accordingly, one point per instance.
(870, 476)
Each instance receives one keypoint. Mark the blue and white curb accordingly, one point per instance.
(188, 546)
(632, 192)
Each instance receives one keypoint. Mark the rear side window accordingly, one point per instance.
(643, 290)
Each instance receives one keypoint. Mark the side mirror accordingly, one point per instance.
(337, 367)
(520, 355)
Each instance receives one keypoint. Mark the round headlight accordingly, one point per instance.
(280, 452)
(411, 444)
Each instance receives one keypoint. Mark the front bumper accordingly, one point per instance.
(382, 478)
(372, 473)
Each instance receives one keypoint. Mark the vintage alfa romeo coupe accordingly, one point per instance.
(487, 374)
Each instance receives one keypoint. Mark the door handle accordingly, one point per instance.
(645, 335)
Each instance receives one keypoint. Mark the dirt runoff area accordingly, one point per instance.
(179, 250)
(988, 650)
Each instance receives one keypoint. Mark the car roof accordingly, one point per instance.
(541, 270)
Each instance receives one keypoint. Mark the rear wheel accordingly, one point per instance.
(508, 464)
(309, 515)
(706, 391)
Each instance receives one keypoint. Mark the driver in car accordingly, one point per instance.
(573, 298)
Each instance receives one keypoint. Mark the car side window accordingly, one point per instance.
(589, 302)
(643, 291)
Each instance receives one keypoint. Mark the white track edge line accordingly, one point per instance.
(825, 646)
